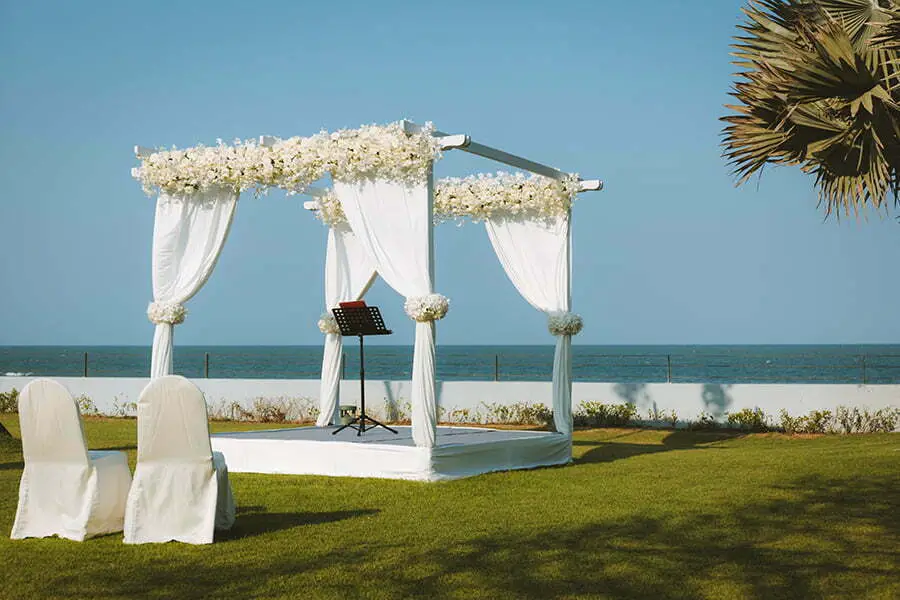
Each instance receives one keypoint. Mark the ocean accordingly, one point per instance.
(678, 364)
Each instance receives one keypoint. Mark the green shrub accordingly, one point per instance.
(704, 421)
(854, 420)
(817, 421)
(748, 419)
(86, 406)
(518, 413)
(265, 410)
(9, 401)
(460, 415)
(669, 417)
(597, 414)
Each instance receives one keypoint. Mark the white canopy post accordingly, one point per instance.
(393, 222)
(536, 256)
(188, 235)
(348, 276)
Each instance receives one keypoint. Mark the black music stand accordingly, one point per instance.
(361, 321)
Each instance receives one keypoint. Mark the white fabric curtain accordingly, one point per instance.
(348, 276)
(536, 256)
(393, 223)
(188, 236)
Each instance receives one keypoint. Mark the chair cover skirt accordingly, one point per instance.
(180, 490)
(65, 490)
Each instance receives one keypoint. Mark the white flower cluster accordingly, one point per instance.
(242, 166)
(427, 308)
(383, 151)
(564, 323)
(330, 210)
(163, 312)
(328, 324)
(481, 197)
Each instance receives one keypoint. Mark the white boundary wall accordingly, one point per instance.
(115, 395)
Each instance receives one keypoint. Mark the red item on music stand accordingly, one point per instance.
(353, 304)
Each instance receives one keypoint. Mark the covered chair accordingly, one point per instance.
(65, 490)
(180, 490)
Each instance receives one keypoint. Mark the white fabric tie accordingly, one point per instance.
(163, 312)
(564, 323)
(424, 309)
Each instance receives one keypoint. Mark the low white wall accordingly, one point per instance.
(116, 395)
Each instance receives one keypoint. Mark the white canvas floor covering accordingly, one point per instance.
(460, 452)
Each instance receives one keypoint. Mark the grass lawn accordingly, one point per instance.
(640, 514)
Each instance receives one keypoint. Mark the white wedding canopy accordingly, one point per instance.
(381, 212)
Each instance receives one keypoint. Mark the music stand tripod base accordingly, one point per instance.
(361, 321)
(361, 428)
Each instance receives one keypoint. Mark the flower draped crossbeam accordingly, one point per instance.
(377, 151)
(481, 197)
(162, 312)
(423, 309)
(328, 324)
(564, 323)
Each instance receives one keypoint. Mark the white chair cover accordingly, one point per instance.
(536, 255)
(65, 489)
(188, 236)
(393, 223)
(181, 490)
(348, 276)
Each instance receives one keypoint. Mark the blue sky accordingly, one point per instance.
(669, 253)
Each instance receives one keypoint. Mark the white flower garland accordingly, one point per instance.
(382, 151)
(481, 197)
(564, 323)
(163, 312)
(423, 309)
(328, 324)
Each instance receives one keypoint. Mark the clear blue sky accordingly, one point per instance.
(670, 253)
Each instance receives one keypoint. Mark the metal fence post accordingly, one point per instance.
(206, 365)
(85, 364)
(668, 368)
(496, 367)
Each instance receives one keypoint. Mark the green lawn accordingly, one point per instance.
(640, 514)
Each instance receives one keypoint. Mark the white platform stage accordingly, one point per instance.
(460, 452)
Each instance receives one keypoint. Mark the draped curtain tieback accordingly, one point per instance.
(166, 312)
(424, 309)
(328, 324)
(564, 323)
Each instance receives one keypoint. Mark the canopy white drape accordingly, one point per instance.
(393, 223)
(188, 236)
(348, 275)
(536, 255)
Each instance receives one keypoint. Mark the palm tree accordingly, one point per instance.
(819, 88)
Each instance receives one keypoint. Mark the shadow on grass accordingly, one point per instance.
(813, 537)
(249, 523)
(612, 448)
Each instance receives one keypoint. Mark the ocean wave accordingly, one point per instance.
(12, 374)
